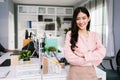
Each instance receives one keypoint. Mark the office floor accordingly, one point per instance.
(112, 75)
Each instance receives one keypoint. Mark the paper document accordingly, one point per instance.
(4, 72)
(28, 70)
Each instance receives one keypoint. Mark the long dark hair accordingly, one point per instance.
(74, 27)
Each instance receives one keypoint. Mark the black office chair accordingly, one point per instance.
(118, 61)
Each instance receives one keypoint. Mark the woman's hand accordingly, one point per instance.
(80, 54)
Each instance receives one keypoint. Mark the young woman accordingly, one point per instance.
(83, 48)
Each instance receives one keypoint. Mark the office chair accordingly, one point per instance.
(118, 61)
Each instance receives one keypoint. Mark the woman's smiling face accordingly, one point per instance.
(82, 20)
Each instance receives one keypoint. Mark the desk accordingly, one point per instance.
(61, 76)
(32, 72)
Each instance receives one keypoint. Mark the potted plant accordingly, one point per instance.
(58, 22)
(25, 55)
(51, 50)
(66, 30)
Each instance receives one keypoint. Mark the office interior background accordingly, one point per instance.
(104, 14)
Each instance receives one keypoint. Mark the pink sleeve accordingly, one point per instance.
(98, 54)
(69, 55)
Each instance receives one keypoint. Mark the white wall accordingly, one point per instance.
(7, 24)
(4, 23)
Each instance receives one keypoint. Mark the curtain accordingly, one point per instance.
(101, 22)
(110, 39)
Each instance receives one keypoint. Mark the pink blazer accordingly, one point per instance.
(91, 47)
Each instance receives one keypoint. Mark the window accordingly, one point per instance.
(101, 22)
(98, 12)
